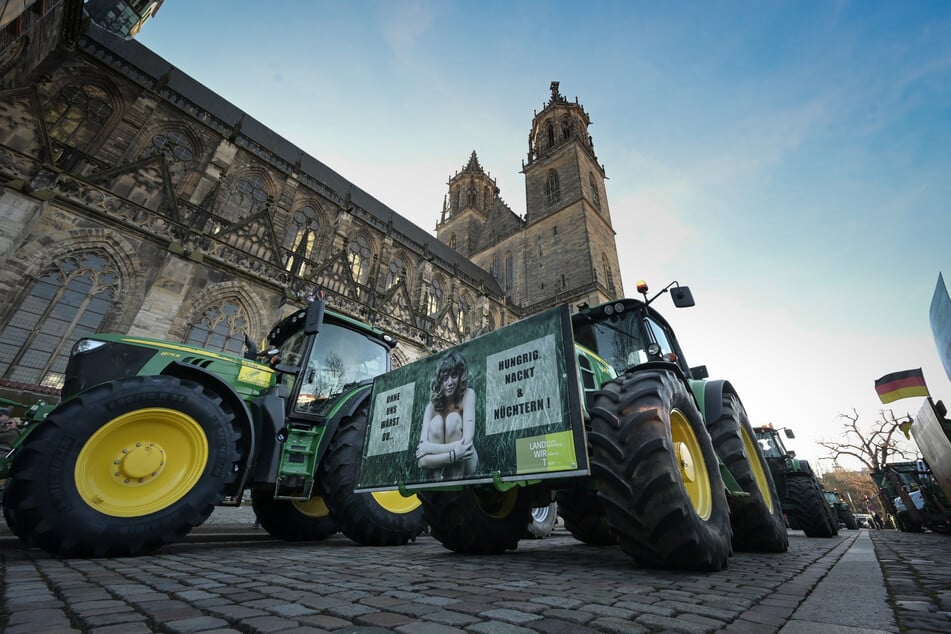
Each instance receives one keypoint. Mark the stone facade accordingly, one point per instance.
(135, 200)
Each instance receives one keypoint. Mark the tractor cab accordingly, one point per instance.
(628, 332)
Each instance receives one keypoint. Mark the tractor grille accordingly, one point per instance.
(106, 363)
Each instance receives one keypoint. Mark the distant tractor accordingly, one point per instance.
(151, 435)
(912, 497)
(803, 499)
(844, 514)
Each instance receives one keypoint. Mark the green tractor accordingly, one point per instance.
(668, 469)
(803, 498)
(912, 497)
(843, 512)
(150, 436)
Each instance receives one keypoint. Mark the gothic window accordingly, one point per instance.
(77, 113)
(434, 298)
(396, 273)
(455, 200)
(359, 259)
(462, 315)
(495, 267)
(221, 327)
(564, 284)
(608, 277)
(509, 271)
(177, 149)
(566, 127)
(553, 187)
(304, 226)
(452, 241)
(71, 300)
(595, 193)
(551, 135)
(486, 198)
(248, 196)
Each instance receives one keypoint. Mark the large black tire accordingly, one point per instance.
(756, 519)
(543, 521)
(810, 508)
(659, 478)
(293, 521)
(477, 520)
(583, 517)
(123, 468)
(848, 517)
(369, 519)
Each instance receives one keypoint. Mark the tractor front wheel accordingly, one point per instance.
(293, 520)
(123, 468)
(757, 519)
(659, 479)
(477, 520)
(583, 517)
(810, 508)
(370, 519)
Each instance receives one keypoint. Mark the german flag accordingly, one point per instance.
(896, 385)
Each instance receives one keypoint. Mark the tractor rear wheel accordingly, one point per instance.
(370, 519)
(543, 521)
(477, 520)
(757, 519)
(123, 468)
(659, 479)
(810, 508)
(292, 520)
(583, 517)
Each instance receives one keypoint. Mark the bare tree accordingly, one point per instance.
(873, 446)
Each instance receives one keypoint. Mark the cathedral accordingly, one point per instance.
(135, 200)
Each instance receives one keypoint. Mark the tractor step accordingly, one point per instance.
(295, 474)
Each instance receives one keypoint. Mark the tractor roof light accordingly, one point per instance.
(642, 287)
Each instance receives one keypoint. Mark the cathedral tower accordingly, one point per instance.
(472, 193)
(571, 255)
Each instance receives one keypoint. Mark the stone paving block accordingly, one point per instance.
(47, 616)
(451, 617)
(499, 627)
(618, 626)
(195, 624)
(268, 624)
(383, 619)
(140, 627)
(510, 616)
(654, 621)
(422, 627)
(127, 615)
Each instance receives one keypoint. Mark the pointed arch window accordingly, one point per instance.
(70, 300)
(595, 192)
(553, 187)
(396, 273)
(608, 276)
(495, 268)
(220, 327)
(462, 315)
(509, 271)
(177, 148)
(77, 113)
(248, 196)
(434, 298)
(359, 259)
(551, 135)
(452, 241)
(304, 228)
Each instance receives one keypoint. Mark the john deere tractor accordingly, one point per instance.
(676, 478)
(803, 498)
(150, 435)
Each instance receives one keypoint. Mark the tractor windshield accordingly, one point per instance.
(340, 357)
(616, 339)
(770, 444)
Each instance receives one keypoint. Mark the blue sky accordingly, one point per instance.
(788, 160)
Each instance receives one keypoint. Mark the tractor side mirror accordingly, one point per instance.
(682, 296)
(699, 372)
(789, 433)
(314, 317)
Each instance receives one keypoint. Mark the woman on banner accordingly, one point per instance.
(446, 442)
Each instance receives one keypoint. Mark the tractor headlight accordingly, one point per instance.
(86, 345)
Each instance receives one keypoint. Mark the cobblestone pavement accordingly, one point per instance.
(553, 585)
(917, 569)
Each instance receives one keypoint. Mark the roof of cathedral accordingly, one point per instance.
(142, 65)
(500, 224)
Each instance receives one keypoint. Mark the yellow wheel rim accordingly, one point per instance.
(314, 507)
(394, 502)
(692, 467)
(494, 503)
(756, 465)
(141, 462)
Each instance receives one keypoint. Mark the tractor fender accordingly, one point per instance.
(235, 402)
(710, 397)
